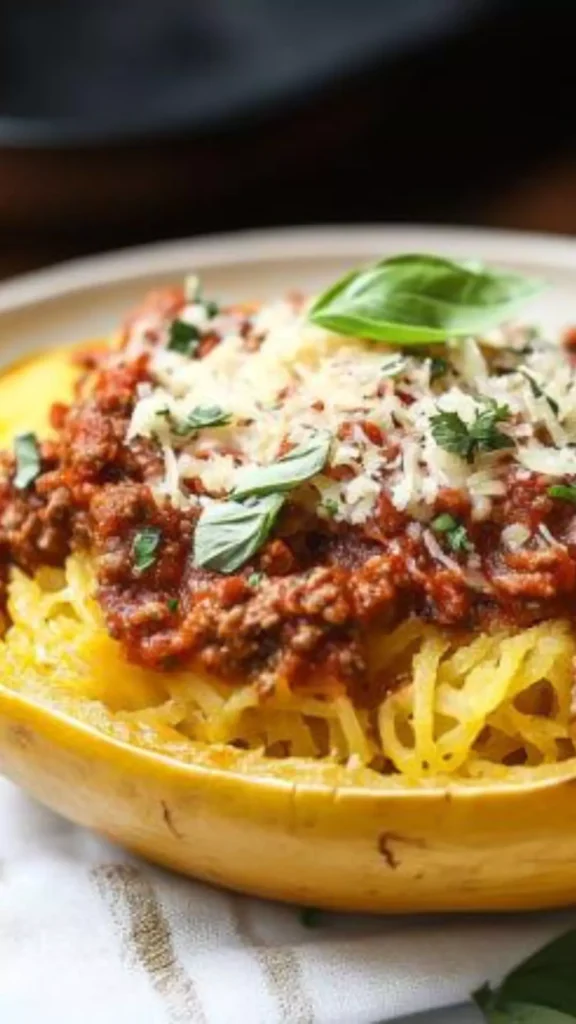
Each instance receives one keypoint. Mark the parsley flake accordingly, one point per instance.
(565, 492)
(255, 579)
(183, 338)
(469, 440)
(144, 547)
(28, 463)
(172, 604)
(455, 532)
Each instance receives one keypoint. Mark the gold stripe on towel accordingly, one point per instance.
(147, 940)
(279, 965)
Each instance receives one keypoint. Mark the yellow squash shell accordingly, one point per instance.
(324, 838)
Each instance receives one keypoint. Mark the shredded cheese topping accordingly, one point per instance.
(285, 379)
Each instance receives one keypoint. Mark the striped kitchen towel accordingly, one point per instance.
(90, 935)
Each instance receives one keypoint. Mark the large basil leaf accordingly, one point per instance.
(418, 298)
(542, 990)
(299, 465)
(229, 533)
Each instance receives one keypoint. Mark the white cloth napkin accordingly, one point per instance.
(90, 935)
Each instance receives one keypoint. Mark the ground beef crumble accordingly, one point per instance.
(320, 585)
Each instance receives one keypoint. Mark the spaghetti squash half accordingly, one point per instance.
(290, 607)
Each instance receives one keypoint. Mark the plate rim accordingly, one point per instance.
(354, 241)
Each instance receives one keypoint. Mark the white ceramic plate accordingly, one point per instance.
(86, 298)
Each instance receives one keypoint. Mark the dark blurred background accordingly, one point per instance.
(126, 121)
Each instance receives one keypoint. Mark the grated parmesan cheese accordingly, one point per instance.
(295, 378)
(515, 536)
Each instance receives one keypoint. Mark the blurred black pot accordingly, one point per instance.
(116, 69)
(125, 120)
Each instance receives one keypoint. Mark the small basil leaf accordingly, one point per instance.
(293, 469)
(419, 298)
(145, 546)
(228, 533)
(459, 540)
(183, 338)
(200, 417)
(565, 492)
(28, 463)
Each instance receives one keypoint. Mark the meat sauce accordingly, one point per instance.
(307, 598)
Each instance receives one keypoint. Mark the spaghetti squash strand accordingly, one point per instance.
(455, 705)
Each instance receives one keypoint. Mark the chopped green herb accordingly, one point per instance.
(212, 308)
(310, 917)
(255, 579)
(183, 338)
(455, 532)
(541, 990)
(458, 539)
(200, 417)
(172, 604)
(145, 546)
(468, 440)
(393, 366)
(539, 392)
(438, 367)
(330, 506)
(293, 469)
(443, 523)
(565, 492)
(28, 463)
(229, 533)
(451, 433)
